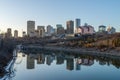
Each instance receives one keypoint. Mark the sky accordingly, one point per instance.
(15, 13)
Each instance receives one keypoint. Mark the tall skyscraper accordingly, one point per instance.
(30, 28)
(70, 27)
(77, 24)
(16, 34)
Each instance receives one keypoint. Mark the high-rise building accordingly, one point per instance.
(41, 31)
(60, 29)
(70, 27)
(9, 33)
(40, 27)
(50, 30)
(77, 24)
(111, 30)
(102, 28)
(23, 34)
(2, 35)
(31, 28)
(16, 34)
(36, 34)
(86, 29)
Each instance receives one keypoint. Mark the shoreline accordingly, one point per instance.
(85, 51)
(5, 59)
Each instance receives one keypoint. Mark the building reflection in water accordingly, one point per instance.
(72, 62)
(59, 60)
(49, 59)
(40, 59)
(87, 62)
(30, 62)
(78, 63)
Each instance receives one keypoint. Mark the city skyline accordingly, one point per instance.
(15, 13)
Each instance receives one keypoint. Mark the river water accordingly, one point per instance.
(64, 66)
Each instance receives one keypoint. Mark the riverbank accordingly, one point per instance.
(86, 51)
(5, 58)
(6, 55)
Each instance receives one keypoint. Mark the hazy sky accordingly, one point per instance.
(15, 13)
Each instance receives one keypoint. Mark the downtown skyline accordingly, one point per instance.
(15, 13)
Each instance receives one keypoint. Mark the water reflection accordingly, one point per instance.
(73, 61)
(59, 58)
(30, 61)
(70, 61)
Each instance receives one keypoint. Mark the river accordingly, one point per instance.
(48, 65)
